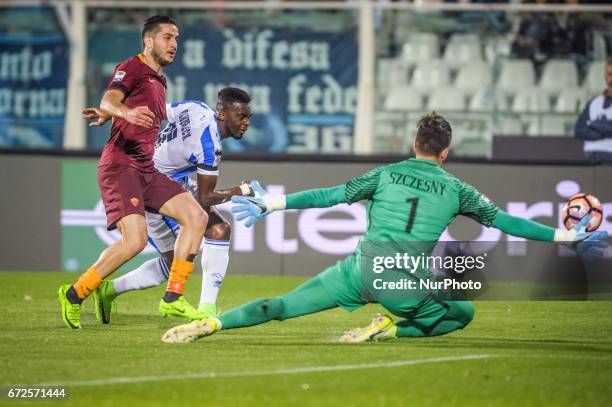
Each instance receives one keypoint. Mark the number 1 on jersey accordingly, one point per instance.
(413, 207)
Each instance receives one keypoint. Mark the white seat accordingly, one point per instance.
(558, 74)
(420, 47)
(446, 99)
(546, 126)
(465, 38)
(509, 126)
(486, 100)
(391, 72)
(531, 100)
(594, 81)
(516, 74)
(473, 76)
(383, 68)
(430, 74)
(497, 47)
(459, 52)
(571, 100)
(404, 25)
(404, 98)
(600, 46)
(471, 146)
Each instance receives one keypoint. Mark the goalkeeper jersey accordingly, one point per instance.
(410, 201)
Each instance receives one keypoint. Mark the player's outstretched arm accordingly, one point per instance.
(255, 208)
(356, 189)
(528, 229)
(516, 226)
(477, 206)
(208, 196)
(112, 105)
(588, 244)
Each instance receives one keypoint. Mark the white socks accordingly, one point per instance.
(151, 273)
(215, 257)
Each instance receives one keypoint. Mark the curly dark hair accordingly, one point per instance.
(228, 96)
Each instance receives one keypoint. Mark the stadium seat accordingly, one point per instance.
(383, 68)
(404, 98)
(533, 100)
(594, 81)
(516, 74)
(600, 45)
(421, 47)
(473, 147)
(388, 124)
(547, 126)
(405, 25)
(571, 100)
(391, 72)
(558, 74)
(497, 47)
(486, 100)
(473, 75)
(430, 75)
(465, 38)
(462, 49)
(509, 126)
(446, 99)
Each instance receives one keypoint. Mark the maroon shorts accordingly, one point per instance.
(126, 190)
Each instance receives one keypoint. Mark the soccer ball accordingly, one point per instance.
(579, 206)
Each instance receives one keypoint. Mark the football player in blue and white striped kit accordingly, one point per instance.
(191, 142)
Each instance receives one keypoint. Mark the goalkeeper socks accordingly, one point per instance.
(458, 316)
(308, 298)
(179, 273)
(151, 273)
(87, 283)
(409, 329)
(253, 313)
(215, 257)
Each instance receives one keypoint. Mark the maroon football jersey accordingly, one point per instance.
(130, 144)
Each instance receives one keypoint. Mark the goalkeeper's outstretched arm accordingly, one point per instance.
(520, 227)
(356, 189)
(310, 198)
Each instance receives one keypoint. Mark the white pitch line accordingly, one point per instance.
(297, 370)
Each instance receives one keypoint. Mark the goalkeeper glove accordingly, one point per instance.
(592, 246)
(253, 209)
(587, 244)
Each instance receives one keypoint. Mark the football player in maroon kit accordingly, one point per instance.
(136, 100)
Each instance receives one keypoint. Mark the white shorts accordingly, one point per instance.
(163, 230)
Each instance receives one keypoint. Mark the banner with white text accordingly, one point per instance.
(33, 82)
(303, 82)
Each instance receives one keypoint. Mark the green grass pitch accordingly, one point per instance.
(512, 354)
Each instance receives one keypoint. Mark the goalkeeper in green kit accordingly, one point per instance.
(410, 202)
